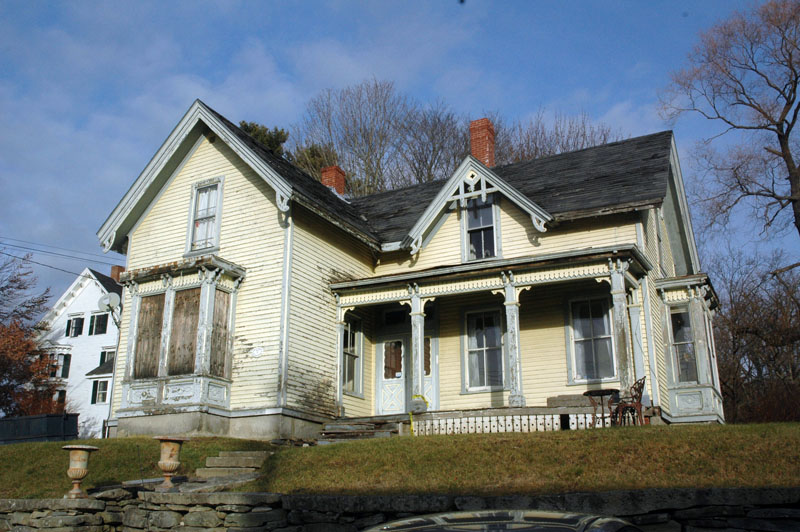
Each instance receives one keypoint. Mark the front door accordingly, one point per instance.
(395, 383)
(392, 371)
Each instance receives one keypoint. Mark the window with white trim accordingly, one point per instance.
(99, 392)
(484, 351)
(204, 217)
(98, 324)
(682, 344)
(592, 345)
(105, 356)
(74, 326)
(480, 229)
(351, 353)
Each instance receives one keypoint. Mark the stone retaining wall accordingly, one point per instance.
(661, 510)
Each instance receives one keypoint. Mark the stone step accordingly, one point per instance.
(356, 434)
(209, 472)
(348, 426)
(234, 461)
(252, 454)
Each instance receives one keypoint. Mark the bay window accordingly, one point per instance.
(683, 348)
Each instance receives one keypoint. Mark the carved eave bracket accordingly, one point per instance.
(283, 201)
(109, 242)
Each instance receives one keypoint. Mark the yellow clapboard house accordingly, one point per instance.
(259, 302)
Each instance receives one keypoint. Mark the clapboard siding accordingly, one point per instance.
(250, 236)
(321, 254)
(518, 239)
(653, 252)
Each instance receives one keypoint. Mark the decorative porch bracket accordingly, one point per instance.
(511, 292)
(419, 403)
(622, 332)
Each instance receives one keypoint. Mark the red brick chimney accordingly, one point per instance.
(333, 177)
(116, 271)
(481, 140)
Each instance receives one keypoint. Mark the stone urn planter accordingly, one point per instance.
(170, 459)
(78, 468)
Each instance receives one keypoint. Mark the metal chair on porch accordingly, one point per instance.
(628, 410)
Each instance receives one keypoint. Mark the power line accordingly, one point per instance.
(45, 265)
(54, 254)
(54, 247)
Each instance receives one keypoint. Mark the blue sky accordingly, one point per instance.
(89, 90)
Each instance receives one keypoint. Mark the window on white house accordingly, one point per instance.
(480, 229)
(61, 397)
(99, 392)
(98, 324)
(484, 350)
(351, 353)
(105, 356)
(66, 360)
(591, 340)
(683, 344)
(75, 327)
(204, 220)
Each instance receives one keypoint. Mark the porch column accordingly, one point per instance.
(418, 399)
(621, 323)
(511, 293)
(341, 311)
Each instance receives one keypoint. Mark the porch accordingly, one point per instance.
(482, 351)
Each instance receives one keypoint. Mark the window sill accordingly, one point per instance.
(356, 395)
(200, 252)
(479, 261)
(574, 382)
(494, 389)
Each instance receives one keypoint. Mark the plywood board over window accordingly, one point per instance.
(148, 339)
(183, 336)
(219, 333)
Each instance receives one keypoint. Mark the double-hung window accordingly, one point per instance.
(66, 360)
(98, 324)
(204, 217)
(105, 356)
(99, 392)
(480, 229)
(74, 326)
(352, 359)
(591, 340)
(484, 351)
(683, 344)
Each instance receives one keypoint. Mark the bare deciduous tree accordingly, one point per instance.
(744, 75)
(757, 336)
(361, 124)
(540, 137)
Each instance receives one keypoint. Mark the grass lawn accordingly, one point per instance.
(475, 464)
(546, 462)
(39, 470)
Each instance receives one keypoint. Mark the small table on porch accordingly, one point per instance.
(592, 394)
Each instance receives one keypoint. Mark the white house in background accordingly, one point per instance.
(82, 341)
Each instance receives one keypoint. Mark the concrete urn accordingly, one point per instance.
(170, 459)
(78, 468)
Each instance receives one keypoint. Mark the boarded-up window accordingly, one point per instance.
(148, 338)
(183, 336)
(219, 333)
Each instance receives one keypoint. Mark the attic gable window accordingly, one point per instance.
(480, 237)
(205, 216)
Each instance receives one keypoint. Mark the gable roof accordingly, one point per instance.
(612, 177)
(86, 276)
(288, 181)
(615, 177)
(109, 284)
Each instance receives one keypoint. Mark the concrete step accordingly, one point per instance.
(234, 461)
(209, 472)
(348, 426)
(356, 434)
(252, 454)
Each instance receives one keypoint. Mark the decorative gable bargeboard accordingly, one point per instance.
(260, 303)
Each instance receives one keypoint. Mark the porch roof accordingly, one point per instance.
(639, 263)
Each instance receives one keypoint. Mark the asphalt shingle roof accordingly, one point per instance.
(627, 173)
(103, 369)
(568, 185)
